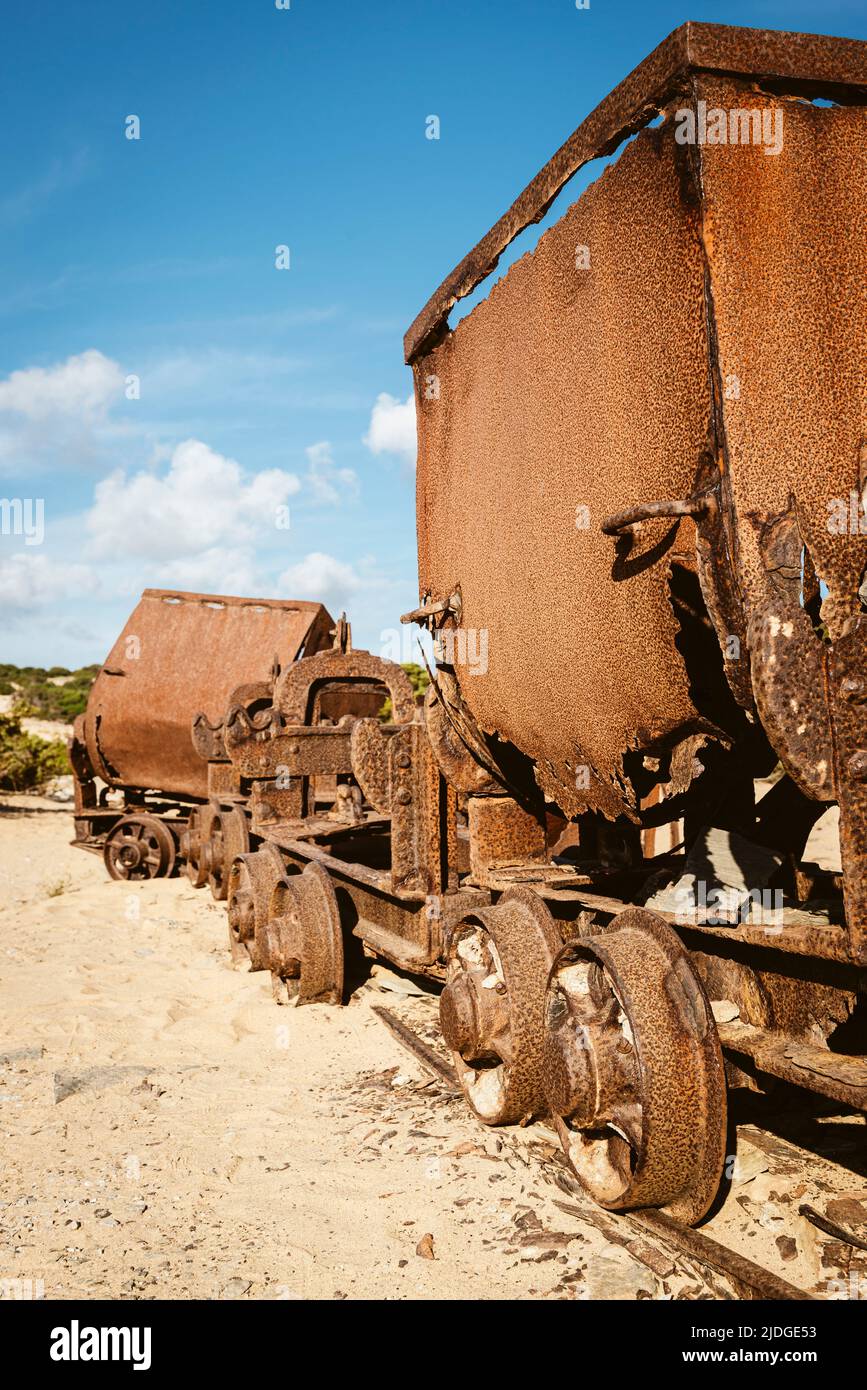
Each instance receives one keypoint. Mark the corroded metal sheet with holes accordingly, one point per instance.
(787, 266)
(569, 393)
(178, 655)
(677, 368)
(812, 64)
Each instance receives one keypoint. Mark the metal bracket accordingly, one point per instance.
(698, 505)
(431, 608)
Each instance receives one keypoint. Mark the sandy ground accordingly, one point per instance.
(168, 1132)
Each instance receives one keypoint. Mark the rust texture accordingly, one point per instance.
(502, 834)
(569, 389)
(810, 63)
(299, 689)
(423, 807)
(492, 1008)
(841, 1077)
(301, 941)
(634, 1072)
(787, 264)
(679, 366)
(178, 655)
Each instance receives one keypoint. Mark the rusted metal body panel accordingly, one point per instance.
(812, 64)
(679, 369)
(178, 655)
(787, 267)
(568, 394)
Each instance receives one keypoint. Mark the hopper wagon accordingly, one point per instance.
(642, 467)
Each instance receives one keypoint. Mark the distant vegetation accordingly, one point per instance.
(26, 761)
(37, 696)
(419, 678)
(420, 681)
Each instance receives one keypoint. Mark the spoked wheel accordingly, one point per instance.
(213, 855)
(302, 941)
(633, 1069)
(139, 847)
(492, 1008)
(252, 879)
(224, 836)
(235, 836)
(191, 848)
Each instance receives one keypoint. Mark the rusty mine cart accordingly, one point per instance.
(630, 456)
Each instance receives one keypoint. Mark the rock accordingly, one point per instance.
(823, 842)
(69, 1083)
(811, 1244)
(748, 1165)
(425, 1247)
(467, 1147)
(615, 1275)
(386, 979)
(723, 871)
(22, 1054)
(547, 1244)
(724, 1011)
(236, 1288)
(60, 788)
(849, 1209)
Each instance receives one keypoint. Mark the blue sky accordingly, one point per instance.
(155, 258)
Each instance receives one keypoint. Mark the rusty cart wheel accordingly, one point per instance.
(191, 849)
(252, 879)
(236, 840)
(633, 1069)
(139, 847)
(213, 853)
(302, 941)
(224, 836)
(492, 1008)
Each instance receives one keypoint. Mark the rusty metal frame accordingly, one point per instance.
(807, 64)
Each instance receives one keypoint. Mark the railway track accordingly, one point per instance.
(663, 1244)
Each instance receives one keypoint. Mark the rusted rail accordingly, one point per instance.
(751, 1280)
(419, 1049)
(756, 1281)
(831, 1228)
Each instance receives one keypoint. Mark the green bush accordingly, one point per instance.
(28, 762)
(44, 700)
(420, 681)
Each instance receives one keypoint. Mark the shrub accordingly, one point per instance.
(44, 700)
(420, 681)
(28, 762)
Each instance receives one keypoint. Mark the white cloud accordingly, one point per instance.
(52, 416)
(203, 501)
(392, 427)
(82, 387)
(29, 581)
(322, 578)
(325, 480)
(215, 571)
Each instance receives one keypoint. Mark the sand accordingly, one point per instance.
(168, 1132)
